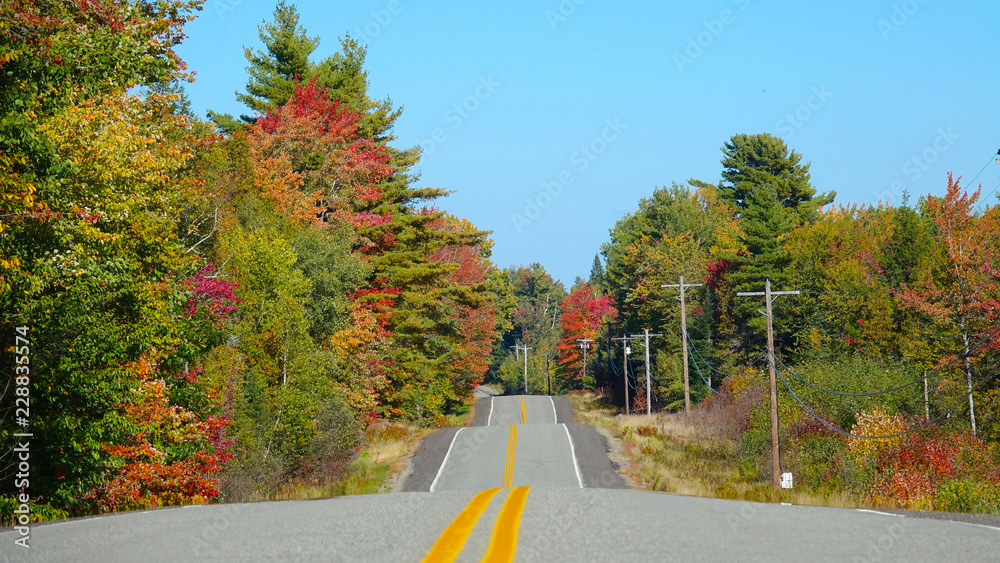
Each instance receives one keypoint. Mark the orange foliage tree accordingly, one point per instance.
(309, 161)
(582, 313)
(960, 289)
(172, 458)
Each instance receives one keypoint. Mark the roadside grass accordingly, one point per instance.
(382, 457)
(382, 454)
(669, 454)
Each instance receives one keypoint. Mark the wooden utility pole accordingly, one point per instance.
(625, 351)
(649, 403)
(684, 343)
(548, 382)
(768, 299)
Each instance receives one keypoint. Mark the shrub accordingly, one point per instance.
(966, 495)
(856, 374)
(37, 512)
(875, 422)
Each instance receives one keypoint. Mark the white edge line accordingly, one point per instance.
(555, 417)
(882, 513)
(935, 519)
(572, 452)
(445, 462)
(977, 525)
(489, 421)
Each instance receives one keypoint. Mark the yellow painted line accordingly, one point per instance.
(452, 540)
(508, 470)
(524, 412)
(503, 544)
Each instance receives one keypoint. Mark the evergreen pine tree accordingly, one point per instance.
(344, 76)
(285, 61)
(597, 274)
(752, 161)
(274, 74)
(765, 221)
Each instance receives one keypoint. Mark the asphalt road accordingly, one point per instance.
(527, 484)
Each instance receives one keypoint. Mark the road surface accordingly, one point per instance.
(524, 483)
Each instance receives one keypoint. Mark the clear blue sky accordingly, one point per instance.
(652, 90)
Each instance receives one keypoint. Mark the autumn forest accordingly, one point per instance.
(214, 306)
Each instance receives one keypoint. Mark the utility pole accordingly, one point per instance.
(768, 299)
(684, 343)
(518, 348)
(649, 404)
(585, 344)
(625, 350)
(548, 382)
(525, 348)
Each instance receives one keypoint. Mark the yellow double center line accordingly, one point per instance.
(508, 470)
(503, 543)
(452, 540)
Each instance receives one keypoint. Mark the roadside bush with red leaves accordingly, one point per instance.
(165, 463)
(911, 473)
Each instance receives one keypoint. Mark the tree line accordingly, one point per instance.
(217, 306)
(894, 331)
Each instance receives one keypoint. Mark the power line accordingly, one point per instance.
(844, 432)
(649, 386)
(707, 384)
(687, 390)
(832, 392)
(769, 297)
(973, 181)
(957, 358)
(585, 345)
(525, 348)
(707, 363)
(625, 351)
(989, 196)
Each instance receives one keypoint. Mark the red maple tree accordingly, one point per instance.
(583, 311)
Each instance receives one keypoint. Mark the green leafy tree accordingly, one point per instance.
(961, 289)
(700, 215)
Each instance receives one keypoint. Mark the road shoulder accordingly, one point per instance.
(428, 459)
(596, 468)
(564, 410)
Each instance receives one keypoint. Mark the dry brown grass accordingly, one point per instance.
(696, 456)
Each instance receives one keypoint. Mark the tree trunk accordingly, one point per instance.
(927, 404)
(968, 377)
